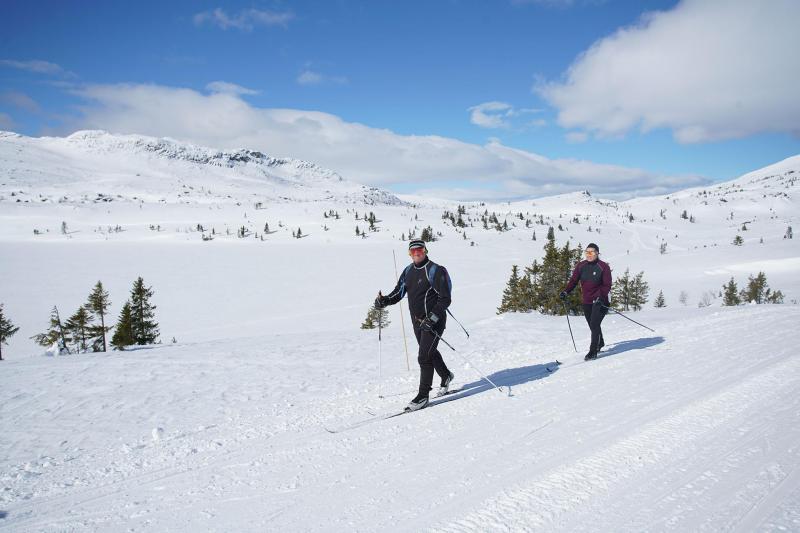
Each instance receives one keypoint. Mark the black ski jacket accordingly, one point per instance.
(423, 298)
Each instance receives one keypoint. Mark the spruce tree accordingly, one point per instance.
(55, 334)
(78, 327)
(660, 302)
(376, 316)
(7, 330)
(98, 304)
(773, 298)
(551, 279)
(639, 292)
(145, 328)
(123, 333)
(621, 291)
(510, 301)
(756, 288)
(730, 293)
(533, 273)
(525, 294)
(569, 258)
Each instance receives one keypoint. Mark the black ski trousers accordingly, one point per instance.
(594, 316)
(429, 358)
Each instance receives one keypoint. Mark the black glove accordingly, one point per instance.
(563, 295)
(381, 302)
(429, 323)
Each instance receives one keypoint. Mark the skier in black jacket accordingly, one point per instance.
(428, 287)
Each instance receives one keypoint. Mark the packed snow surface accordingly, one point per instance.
(251, 415)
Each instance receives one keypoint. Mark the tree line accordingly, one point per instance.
(537, 286)
(86, 330)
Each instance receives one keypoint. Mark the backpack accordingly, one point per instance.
(431, 272)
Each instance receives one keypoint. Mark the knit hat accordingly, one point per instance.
(417, 243)
(593, 245)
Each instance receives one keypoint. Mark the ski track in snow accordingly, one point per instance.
(688, 442)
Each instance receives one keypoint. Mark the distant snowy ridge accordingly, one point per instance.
(165, 170)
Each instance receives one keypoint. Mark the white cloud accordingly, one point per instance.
(369, 155)
(707, 69)
(311, 77)
(308, 77)
(224, 87)
(500, 115)
(6, 122)
(491, 114)
(245, 20)
(37, 66)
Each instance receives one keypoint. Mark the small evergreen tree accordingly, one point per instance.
(123, 333)
(427, 234)
(738, 241)
(98, 304)
(55, 334)
(639, 292)
(774, 298)
(621, 291)
(78, 328)
(145, 329)
(7, 330)
(525, 294)
(376, 316)
(660, 302)
(756, 289)
(510, 301)
(730, 293)
(788, 234)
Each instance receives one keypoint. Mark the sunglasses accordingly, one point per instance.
(590, 252)
(417, 251)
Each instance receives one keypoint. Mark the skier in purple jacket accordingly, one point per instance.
(595, 278)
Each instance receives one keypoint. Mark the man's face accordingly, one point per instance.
(417, 255)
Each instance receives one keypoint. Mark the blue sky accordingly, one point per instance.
(507, 98)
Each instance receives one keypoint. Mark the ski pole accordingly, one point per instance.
(566, 312)
(499, 389)
(380, 358)
(459, 323)
(623, 316)
(402, 320)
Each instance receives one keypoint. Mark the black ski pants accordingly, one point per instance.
(429, 358)
(595, 313)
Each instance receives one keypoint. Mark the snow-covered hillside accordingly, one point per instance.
(95, 166)
(688, 428)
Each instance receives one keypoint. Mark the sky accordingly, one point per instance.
(450, 98)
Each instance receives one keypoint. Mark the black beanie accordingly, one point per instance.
(593, 245)
(416, 243)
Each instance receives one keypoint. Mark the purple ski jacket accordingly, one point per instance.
(595, 278)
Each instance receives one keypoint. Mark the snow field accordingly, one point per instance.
(654, 435)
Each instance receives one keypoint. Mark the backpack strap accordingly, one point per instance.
(432, 276)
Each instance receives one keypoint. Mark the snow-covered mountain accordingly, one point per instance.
(100, 167)
(221, 427)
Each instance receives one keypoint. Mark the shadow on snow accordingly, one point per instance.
(627, 346)
(510, 377)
